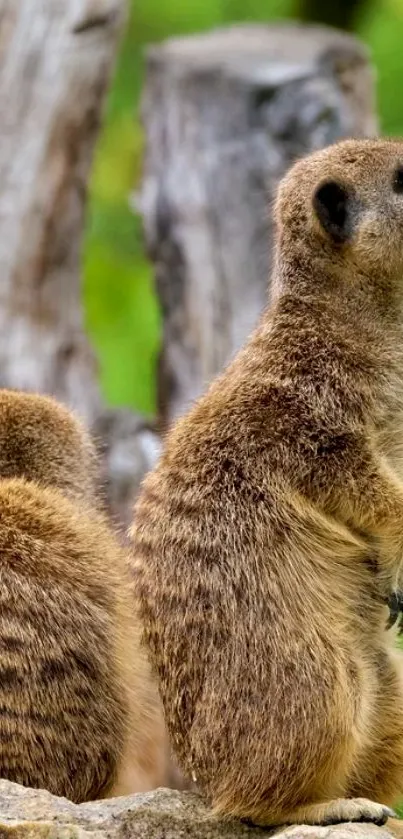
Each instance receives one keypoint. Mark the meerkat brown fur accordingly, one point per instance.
(78, 713)
(270, 535)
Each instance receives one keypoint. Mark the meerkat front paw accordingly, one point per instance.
(336, 811)
(357, 810)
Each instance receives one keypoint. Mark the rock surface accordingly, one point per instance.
(163, 814)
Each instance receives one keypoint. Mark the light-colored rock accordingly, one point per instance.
(163, 814)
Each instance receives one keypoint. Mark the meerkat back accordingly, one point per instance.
(78, 714)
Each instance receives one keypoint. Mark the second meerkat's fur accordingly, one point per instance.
(78, 711)
(270, 534)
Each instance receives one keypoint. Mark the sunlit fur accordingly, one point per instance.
(78, 711)
(272, 527)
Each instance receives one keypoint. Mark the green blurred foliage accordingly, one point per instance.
(121, 308)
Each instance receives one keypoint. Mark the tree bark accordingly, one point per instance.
(56, 59)
(225, 114)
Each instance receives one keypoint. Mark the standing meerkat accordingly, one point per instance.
(79, 715)
(270, 535)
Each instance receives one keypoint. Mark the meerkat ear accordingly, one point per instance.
(332, 205)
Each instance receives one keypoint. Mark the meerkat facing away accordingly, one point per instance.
(270, 535)
(79, 714)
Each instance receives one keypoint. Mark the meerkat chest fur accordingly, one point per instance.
(389, 429)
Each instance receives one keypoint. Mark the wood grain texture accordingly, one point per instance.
(225, 115)
(56, 59)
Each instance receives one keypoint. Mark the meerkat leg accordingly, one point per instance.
(377, 777)
(379, 773)
(337, 811)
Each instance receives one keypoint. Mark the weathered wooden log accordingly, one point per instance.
(225, 114)
(55, 64)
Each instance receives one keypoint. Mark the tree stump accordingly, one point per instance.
(225, 114)
(55, 64)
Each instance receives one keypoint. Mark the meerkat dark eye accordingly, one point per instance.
(398, 180)
(332, 204)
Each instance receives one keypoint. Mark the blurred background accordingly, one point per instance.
(121, 309)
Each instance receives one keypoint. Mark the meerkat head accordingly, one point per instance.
(40, 440)
(342, 209)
